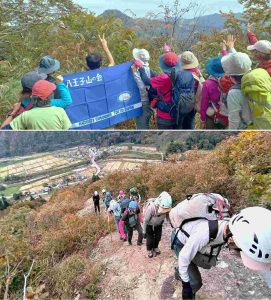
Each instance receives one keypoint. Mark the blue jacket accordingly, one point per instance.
(64, 102)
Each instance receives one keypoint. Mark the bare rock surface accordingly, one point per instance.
(130, 274)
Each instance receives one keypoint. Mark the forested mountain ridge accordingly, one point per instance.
(24, 143)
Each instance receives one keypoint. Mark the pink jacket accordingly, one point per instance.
(210, 92)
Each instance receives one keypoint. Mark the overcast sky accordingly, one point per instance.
(141, 7)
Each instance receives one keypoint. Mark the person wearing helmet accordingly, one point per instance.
(247, 233)
(96, 201)
(131, 220)
(115, 209)
(134, 195)
(154, 216)
(250, 230)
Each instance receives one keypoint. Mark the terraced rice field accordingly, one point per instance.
(36, 165)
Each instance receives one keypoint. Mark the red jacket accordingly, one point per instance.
(252, 38)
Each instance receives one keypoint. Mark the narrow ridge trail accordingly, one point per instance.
(130, 274)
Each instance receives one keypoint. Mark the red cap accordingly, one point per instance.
(43, 89)
(171, 59)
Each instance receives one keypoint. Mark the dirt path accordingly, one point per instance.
(130, 274)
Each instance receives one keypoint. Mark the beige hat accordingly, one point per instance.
(236, 63)
(262, 46)
(189, 60)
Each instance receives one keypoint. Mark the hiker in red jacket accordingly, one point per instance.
(261, 50)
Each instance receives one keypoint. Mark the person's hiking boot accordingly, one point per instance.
(150, 254)
(157, 251)
(129, 243)
(139, 243)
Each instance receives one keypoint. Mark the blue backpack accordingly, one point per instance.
(124, 204)
(182, 95)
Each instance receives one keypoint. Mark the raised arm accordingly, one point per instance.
(107, 51)
(252, 38)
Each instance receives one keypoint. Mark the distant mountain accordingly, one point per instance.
(146, 27)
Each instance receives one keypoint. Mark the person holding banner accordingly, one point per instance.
(43, 116)
(143, 56)
(94, 60)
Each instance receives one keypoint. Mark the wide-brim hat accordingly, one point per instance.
(214, 67)
(189, 60)
(141, 54)
(30, 78)
(236, 64)
(262, 46)
(169, 61)
(48, 65)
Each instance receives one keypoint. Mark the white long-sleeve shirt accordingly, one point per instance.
(238, 110)
(197, 242)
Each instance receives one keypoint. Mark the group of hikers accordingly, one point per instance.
(232, 97)
(201, 225)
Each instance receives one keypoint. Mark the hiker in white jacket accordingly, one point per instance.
(250, 230)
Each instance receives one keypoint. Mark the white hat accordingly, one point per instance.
(236, 63)
(141, 54)
(189, 60)
(262, 46)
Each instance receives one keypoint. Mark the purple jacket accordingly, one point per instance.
(210, 92)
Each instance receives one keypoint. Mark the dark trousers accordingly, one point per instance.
(97, 207)
(154, 234)
(166, 124)
(193, 270)
(187, 121)
(130, 231)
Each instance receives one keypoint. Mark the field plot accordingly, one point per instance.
(37, 165)
(112, 165)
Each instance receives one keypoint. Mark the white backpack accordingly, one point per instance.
(199, 206)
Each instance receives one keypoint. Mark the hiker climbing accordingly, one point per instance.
(115, 209)
(107, 198)
(155, 213)
(131, 220)
(96, 201)
(202, 225)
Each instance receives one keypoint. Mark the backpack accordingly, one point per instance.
(219, 112)
(148, 203)
(200, 81)
(124, 204)
(132, 219)
(182, 93)
(211, 207)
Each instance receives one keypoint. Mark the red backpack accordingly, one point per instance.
(220, 116)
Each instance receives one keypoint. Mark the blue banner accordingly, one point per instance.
(103, 98)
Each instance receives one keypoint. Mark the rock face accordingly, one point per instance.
(130, 274)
